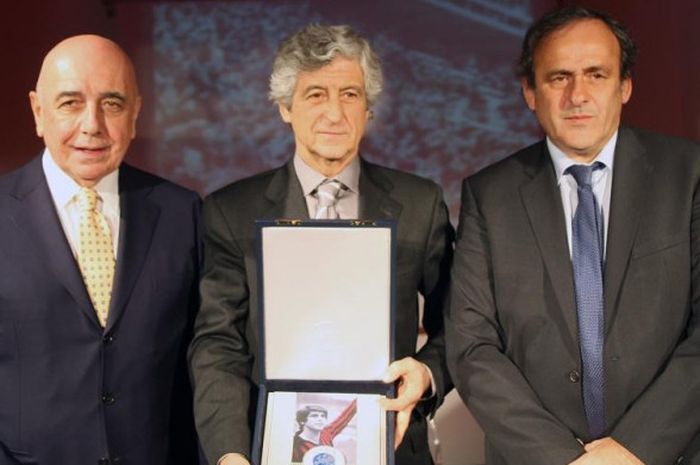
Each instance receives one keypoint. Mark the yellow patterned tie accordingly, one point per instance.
(96, 255)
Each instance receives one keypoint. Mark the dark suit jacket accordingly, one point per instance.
(223, 352)
(512, 334)
(70, 392)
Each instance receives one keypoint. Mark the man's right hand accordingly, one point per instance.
(233, 459)
(606, 451)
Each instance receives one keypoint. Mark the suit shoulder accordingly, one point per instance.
(661, 145)
(135, 178)
(513, 166)
(27, 175)
(8, 180)
(648, 137)
(248, 187)
(401, 180)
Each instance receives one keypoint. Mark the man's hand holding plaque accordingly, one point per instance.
(414, 380)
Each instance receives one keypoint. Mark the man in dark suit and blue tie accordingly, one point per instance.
(574, 327)
(97, 292)
(324, 81)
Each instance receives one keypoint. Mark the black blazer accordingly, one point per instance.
(511, 331)
(223, 352)
(73, 393)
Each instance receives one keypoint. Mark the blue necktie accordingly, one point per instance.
(587, 258)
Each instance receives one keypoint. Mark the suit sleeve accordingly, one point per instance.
(184, 448)
(434, 287)
(663, 420)
(220, 362)
(496, 392)
(5, 457)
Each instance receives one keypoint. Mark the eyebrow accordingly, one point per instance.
(114, 95)
(593, 69)
(313, 87)
(359, 89)
(324, 88)
(66, 94)
(568, 72)
(104, 95)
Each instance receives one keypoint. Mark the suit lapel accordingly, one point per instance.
(630, 173)
(138, 221)
(284, 196)
(38, 219)
(375, 200)
(542, 201)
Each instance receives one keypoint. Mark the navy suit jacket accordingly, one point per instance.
(72, 392)
(225, 346)
(512, 335)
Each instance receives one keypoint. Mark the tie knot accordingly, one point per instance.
(583, 173)
(87, 199)
(327, 192)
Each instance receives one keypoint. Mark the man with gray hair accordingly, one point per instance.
(324, 81)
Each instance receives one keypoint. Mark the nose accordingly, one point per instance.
(90, 122)
(334, 109)
(578, 94)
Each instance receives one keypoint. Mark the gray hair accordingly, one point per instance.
(316, 46)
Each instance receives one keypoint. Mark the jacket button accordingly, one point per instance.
(103, 461)
(108, 399)
(574, 376)
(108, 339)
(680, 460)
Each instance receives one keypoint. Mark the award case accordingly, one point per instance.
(326, 338)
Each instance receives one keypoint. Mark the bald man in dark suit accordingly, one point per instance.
(97, 293)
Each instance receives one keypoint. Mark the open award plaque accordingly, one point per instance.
(326, 339)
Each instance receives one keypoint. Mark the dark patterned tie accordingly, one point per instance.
(327, 194)
(587, 258)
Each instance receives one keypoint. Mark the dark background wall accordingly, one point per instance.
(451, 104)
(442, 139)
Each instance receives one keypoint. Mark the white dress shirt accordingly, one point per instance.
(348, 202)
(63, 190)
(601, 182)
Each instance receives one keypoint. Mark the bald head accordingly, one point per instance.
(85, 106)
(86, 51)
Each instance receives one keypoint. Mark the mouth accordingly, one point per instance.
(331, 136)
(92, 151)
(332, 133)
(578, 118)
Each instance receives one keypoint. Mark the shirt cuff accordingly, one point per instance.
(429, 394)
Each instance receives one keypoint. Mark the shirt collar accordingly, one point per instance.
(63, 188)
(309, 178)
(561, 161)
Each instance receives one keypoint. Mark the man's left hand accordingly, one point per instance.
(414, 380)
(606, 451)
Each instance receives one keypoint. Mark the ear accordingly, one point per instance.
(528, 93)
(135, 116)
(626, 89)
(285, 113)
(36, 110)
